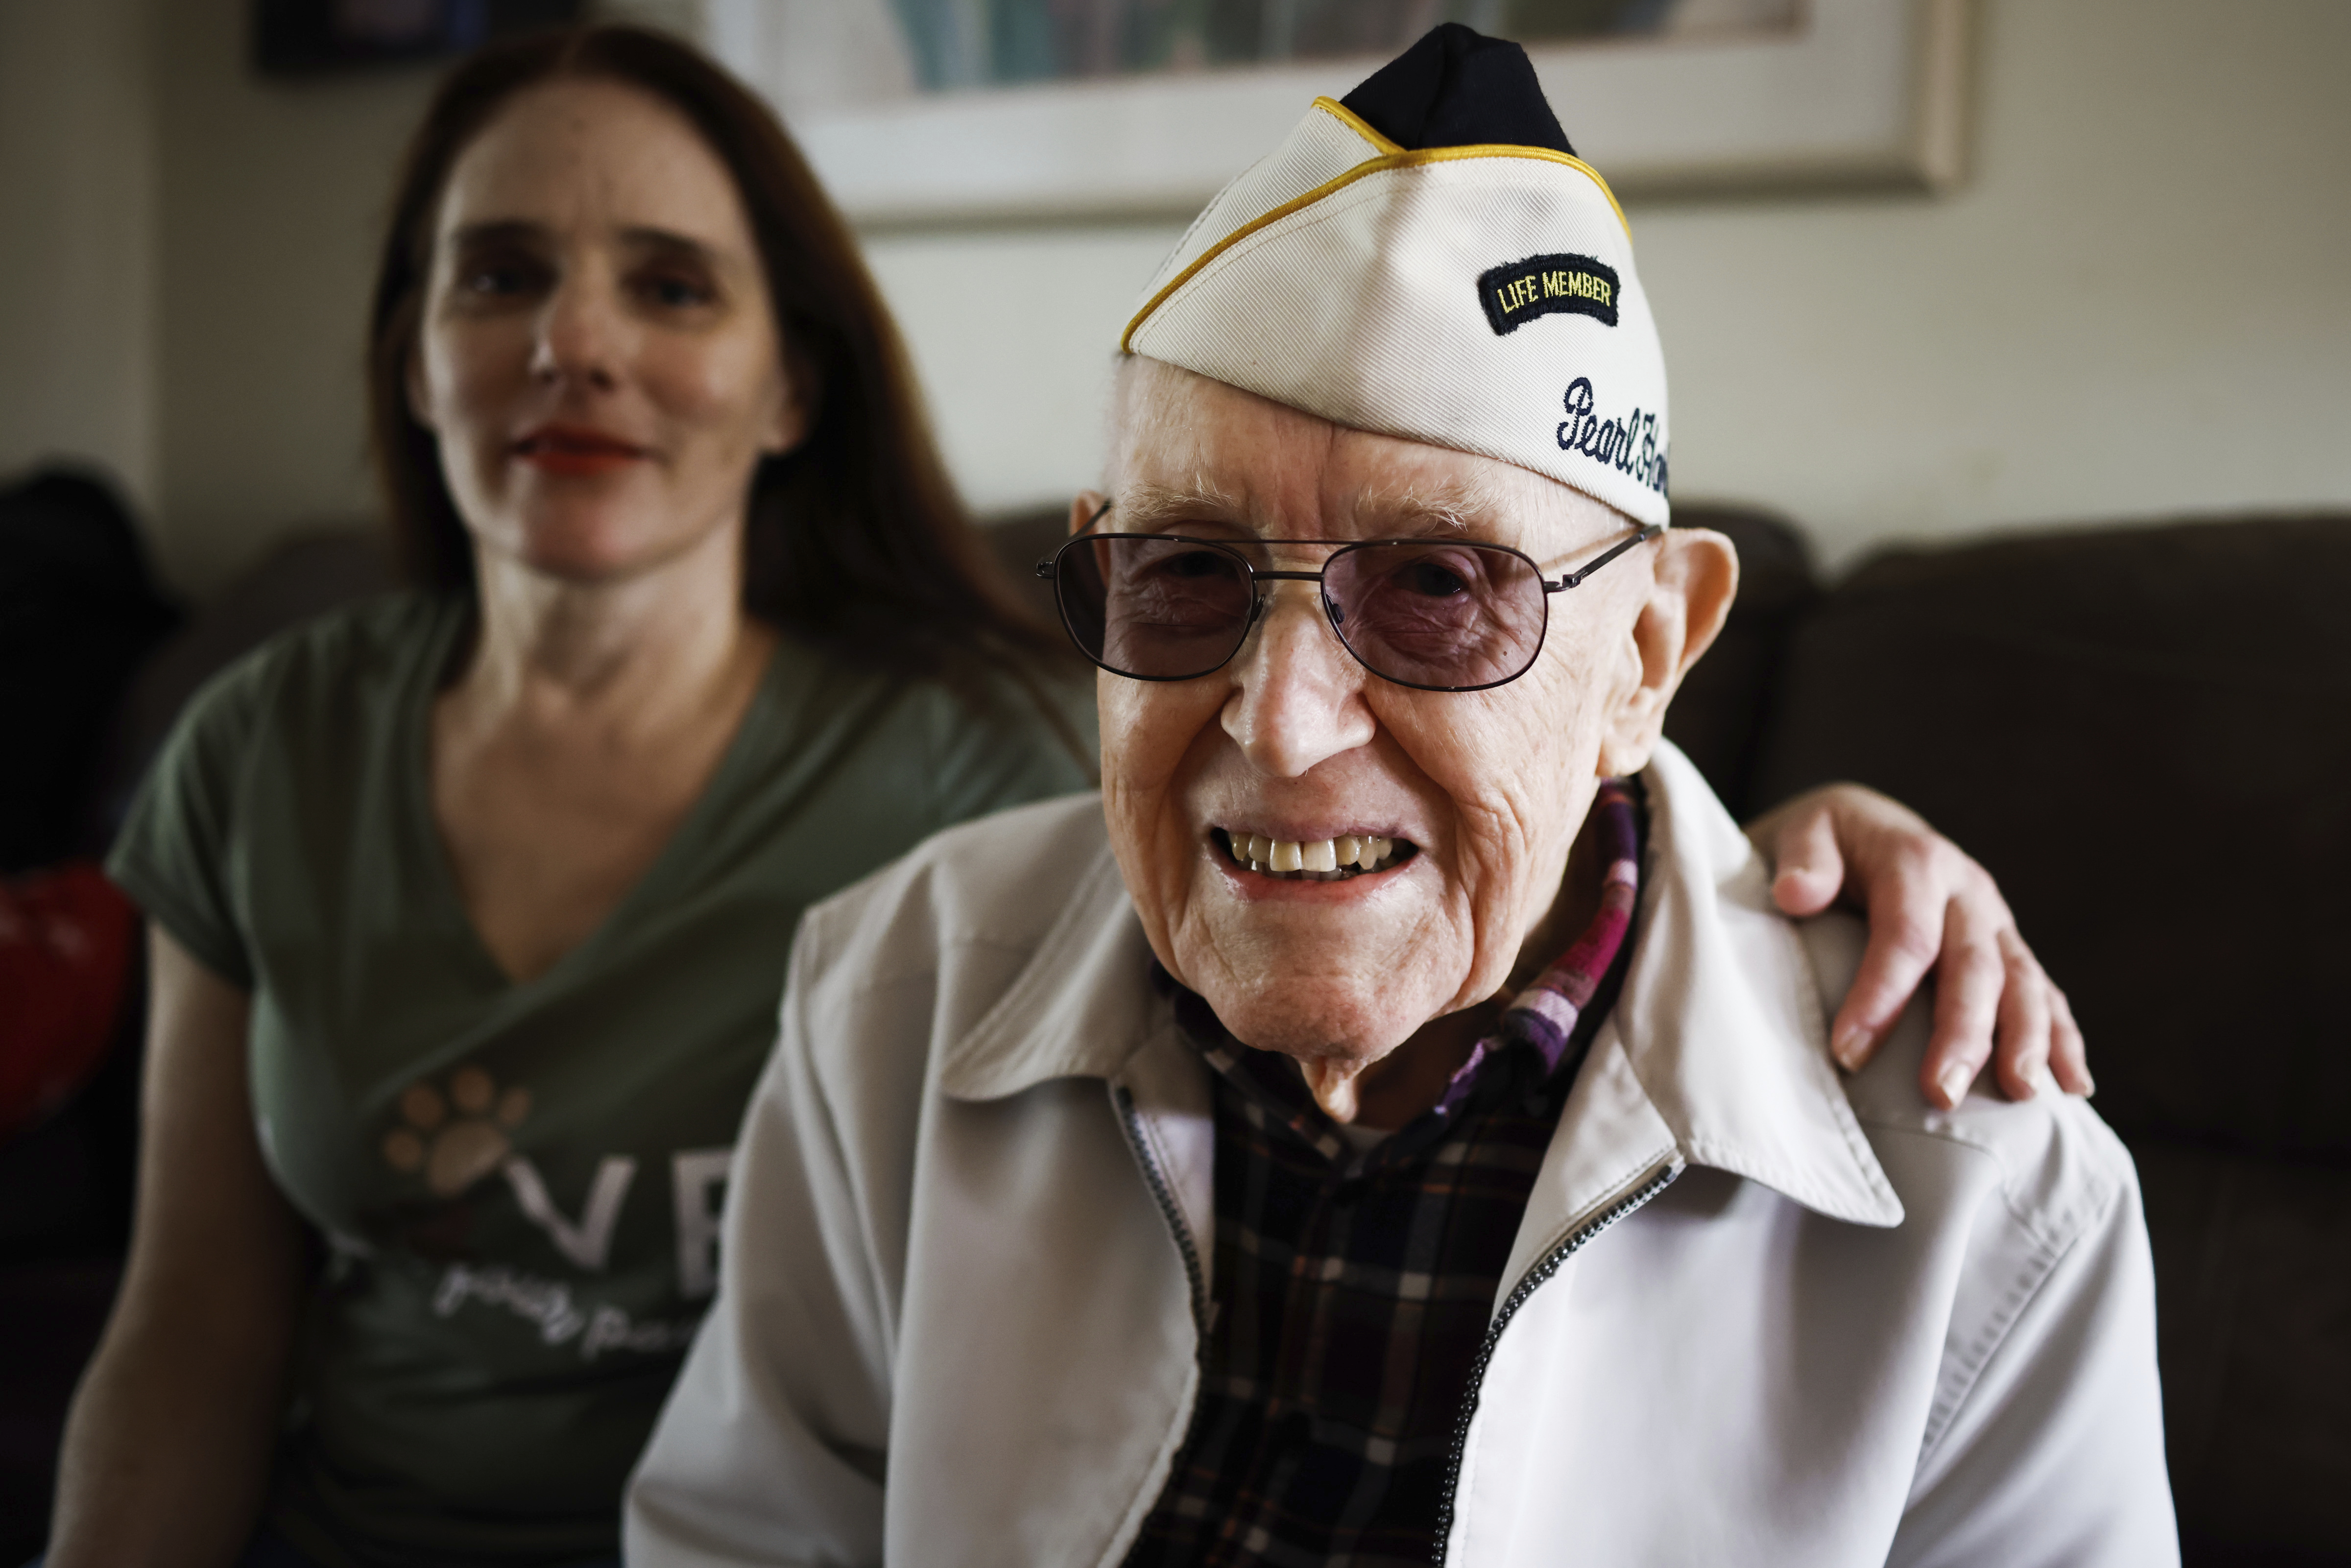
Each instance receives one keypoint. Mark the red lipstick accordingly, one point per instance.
(576, 449)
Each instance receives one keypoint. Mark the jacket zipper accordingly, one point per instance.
(1174, 1216)
(1544, 1267)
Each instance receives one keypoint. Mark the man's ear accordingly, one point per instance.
(1083, 509)
(1694, 581)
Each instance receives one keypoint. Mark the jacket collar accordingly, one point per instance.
(1719, 1043)
(1721, 1021)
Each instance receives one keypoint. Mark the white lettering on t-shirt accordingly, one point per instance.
(692, 1174)
(546, 1302)
(559, 1316)
(589, 1242)
(611, 1329)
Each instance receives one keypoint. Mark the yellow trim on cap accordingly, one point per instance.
(1398, 158)
(1356, 123)
(1503, 150)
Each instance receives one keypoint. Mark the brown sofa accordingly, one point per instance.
(2145, 732)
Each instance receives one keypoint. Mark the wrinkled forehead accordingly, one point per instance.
(1188, 451)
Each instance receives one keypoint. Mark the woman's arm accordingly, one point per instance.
(167, 1450)
(1930, 908)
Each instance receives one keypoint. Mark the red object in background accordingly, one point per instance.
(67, 939)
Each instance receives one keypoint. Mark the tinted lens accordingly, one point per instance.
(1442, 614)
(1160, 609)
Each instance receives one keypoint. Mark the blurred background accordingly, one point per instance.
(2017, 358)
(2133, 302)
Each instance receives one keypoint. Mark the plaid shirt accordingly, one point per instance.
(1354, 1288)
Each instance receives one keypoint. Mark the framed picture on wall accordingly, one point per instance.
(306, 38)
(918, 113)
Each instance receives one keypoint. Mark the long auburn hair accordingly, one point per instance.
(856, 540)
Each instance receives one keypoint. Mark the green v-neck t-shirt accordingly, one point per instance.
(518, 1183)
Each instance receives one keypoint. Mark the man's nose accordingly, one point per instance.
(1301, 694)
(581, 334)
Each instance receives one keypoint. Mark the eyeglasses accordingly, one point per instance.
(1436, 615)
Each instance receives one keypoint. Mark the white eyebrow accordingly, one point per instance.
(1452, 507)
(1145, 508)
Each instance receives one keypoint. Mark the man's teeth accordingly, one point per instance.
(1349, 854)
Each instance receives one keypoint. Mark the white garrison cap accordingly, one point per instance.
(1429, 260)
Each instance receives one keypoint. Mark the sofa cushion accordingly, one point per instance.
(2144, 733)
(2254, 1295)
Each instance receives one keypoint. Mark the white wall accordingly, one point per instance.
(77, 239)
(2139, 304)
(273, 194)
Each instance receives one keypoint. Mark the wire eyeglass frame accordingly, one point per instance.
(1049, 568)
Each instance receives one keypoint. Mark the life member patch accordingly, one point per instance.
(1545, 285)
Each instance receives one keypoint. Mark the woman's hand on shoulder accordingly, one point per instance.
(1931, 908)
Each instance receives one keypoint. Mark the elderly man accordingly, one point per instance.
(1408, 1132)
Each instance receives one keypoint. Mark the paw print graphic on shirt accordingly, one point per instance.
(455, 1138)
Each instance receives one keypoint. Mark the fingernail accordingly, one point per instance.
(2089, 1084)
(1954, 1083)
(1848, 1046)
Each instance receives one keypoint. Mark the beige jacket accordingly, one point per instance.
(1756, 1313)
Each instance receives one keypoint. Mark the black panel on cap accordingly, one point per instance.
(1457, 87)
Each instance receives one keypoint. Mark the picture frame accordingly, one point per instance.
(300, 38)
(1861, 95)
